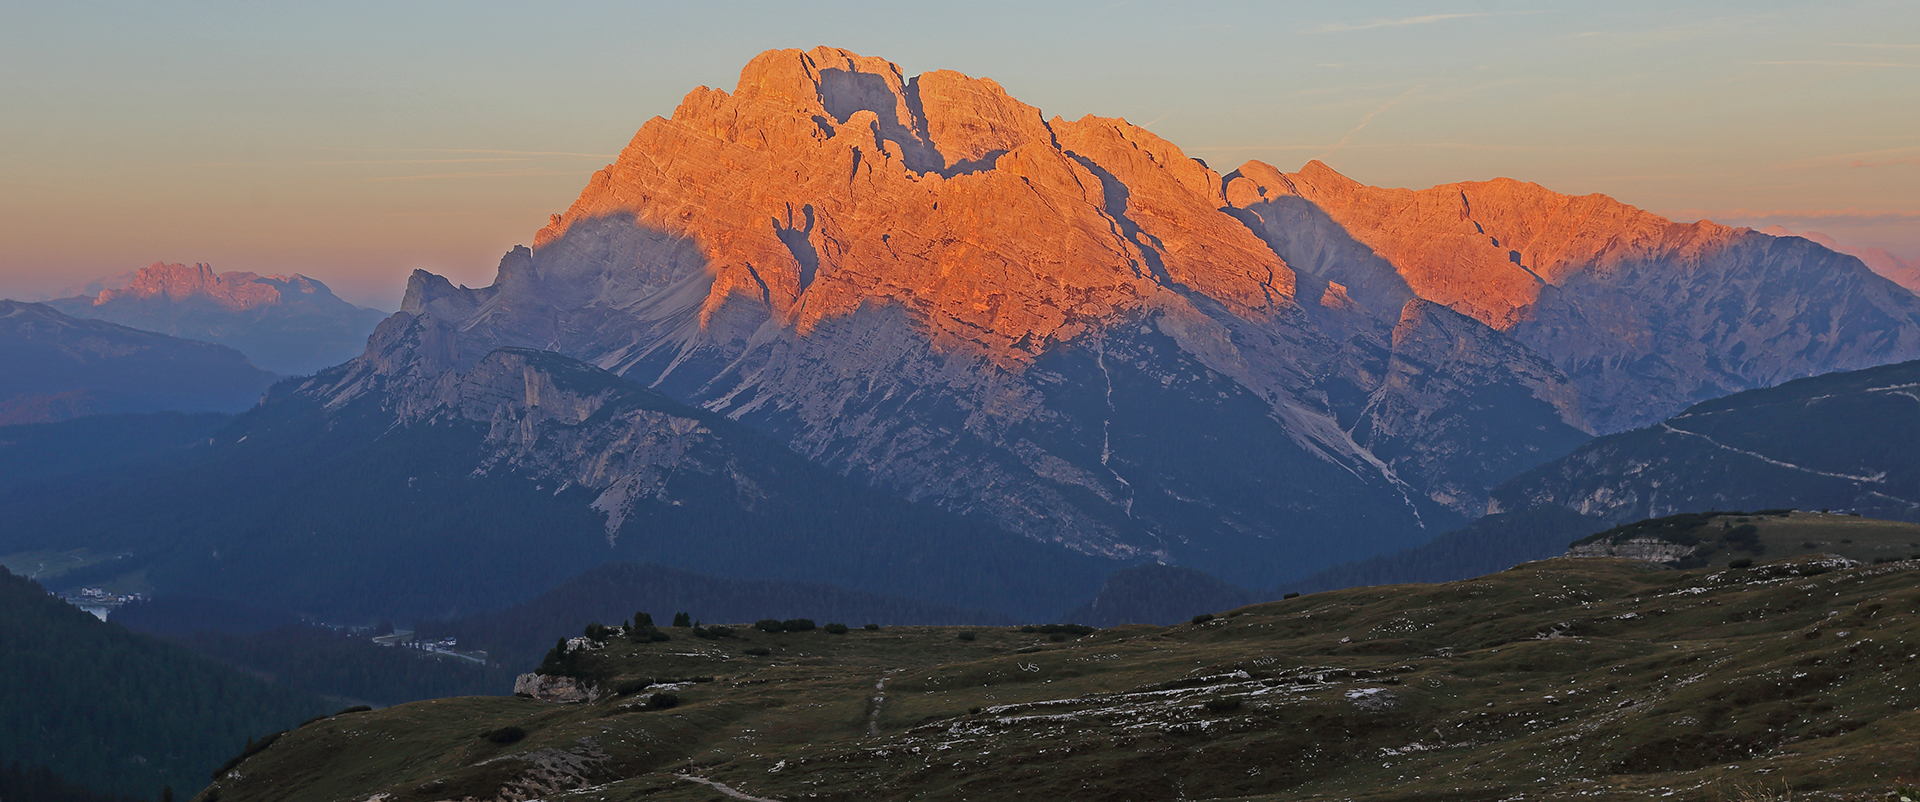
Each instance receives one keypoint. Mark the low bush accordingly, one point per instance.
(798, 624)
(967, 635)
(505, 735)
(1743, 562)
(662, 701)
(631, 686)
(1203, 618)
(770, 625)
(872, 627)
(759, 651)
(835, 628)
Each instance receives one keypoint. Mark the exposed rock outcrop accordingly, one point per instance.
(555, 689)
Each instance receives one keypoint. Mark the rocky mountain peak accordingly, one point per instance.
(179, 282)
(828, 181)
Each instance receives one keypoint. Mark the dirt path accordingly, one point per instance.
(879, 698)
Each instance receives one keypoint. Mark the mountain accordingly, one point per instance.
(1566, 679)
(1076, 332)
(54, 367)
(1843, 441)
(286, 324)
(1879, 260)
(516, 637)
(1643, 314)
(388, 489)
(117, 711)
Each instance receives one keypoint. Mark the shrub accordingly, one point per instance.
(835, 628)
(713, 632)
(1057, 638)
(598, 632)
(872, 627)
(759, 651)
(643, 619)
(631, 686)
(355, 709)
(1050, 629)
(967, 635)
(1293, 595)
(770, 625)
(798, 624)
(975, 710)
(1743, 562)
(1203, 618)
(662, 701)
(682, 620)
(504, 735)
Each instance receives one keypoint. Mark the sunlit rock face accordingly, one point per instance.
(1075, 331)
(1645, 315)
(286, 324)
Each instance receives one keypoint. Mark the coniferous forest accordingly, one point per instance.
(118, 711)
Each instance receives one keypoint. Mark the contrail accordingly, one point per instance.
(1369, 118)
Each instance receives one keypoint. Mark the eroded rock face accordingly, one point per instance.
(1644, 314)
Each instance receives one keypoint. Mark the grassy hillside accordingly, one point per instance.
(1599, 678)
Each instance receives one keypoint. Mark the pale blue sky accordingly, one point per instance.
(357, 141)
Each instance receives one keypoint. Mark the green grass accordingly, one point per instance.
(1595, 677)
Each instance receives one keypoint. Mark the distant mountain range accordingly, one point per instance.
(54, 367)
(1879, 260)
(291, 325)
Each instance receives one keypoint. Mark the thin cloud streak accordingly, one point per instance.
(480, 150)
(1364, 121)
(1337, 27)
(1838, 64)
(501, 174)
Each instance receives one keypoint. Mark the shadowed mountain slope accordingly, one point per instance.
(54, 367)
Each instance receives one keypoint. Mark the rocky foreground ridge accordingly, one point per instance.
(286, 324)
(1075, 331)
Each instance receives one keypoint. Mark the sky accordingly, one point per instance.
(355, 142)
